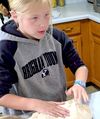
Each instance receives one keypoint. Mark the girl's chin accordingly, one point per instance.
(40, 36)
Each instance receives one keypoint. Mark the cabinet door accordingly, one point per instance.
(95, 60)
(95, 52)
(70, 28)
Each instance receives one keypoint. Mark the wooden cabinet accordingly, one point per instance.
(95, 52)
(78, 31)
(73, 30)
(86, 38)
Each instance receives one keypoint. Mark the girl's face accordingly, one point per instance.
(35, 22)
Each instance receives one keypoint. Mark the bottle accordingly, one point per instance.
(54, 3)
(61, 3)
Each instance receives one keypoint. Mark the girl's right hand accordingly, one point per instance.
(51, 108)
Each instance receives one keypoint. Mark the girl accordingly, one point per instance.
(32, 55)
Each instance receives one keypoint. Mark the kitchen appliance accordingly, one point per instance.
(97, 5)
(54, 3)
(61, 3)
(91, 1)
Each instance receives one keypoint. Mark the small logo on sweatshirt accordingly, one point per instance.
(45, 72)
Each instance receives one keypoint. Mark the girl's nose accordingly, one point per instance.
(42, 23)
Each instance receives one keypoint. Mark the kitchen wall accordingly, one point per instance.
(73, 1)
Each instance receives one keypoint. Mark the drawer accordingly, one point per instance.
(95, 28)
(71, 28)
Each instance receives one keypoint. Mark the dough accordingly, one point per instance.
(10, 117)
(77, 111)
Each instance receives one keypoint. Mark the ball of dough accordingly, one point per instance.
(10, 117)
(77, 111)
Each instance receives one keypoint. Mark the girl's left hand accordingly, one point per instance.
(78, 92)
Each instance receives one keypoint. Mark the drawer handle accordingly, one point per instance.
(68, 29)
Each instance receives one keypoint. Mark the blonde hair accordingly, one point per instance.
(19, 5)
(4, 10)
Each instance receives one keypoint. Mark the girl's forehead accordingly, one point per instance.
(37, 7)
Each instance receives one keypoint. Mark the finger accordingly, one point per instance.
(61, 112)
(53, 114)
(69, 92)
(79, 97)
(75, 94)
(85, 96)
(57, 103)
(62, 109)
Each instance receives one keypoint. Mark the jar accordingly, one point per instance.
(54, 3)
(61, 3)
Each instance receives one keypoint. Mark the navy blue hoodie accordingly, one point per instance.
(35, 68)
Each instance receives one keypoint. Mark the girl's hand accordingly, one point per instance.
(51, 108)
(78, 92)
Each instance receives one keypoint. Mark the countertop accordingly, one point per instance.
(75, 11)
(94, 104)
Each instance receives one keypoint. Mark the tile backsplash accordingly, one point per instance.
(73, 1)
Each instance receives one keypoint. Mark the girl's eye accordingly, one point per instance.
(47, 14)
(34, 18)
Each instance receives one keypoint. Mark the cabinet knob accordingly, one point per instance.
(68, 29)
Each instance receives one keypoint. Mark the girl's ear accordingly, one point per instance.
(13, 15)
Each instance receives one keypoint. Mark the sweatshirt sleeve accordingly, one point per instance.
(8, 75)
(70, 56)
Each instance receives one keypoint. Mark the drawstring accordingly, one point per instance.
(2, 18)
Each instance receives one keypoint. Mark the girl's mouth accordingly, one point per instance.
(41, 32)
